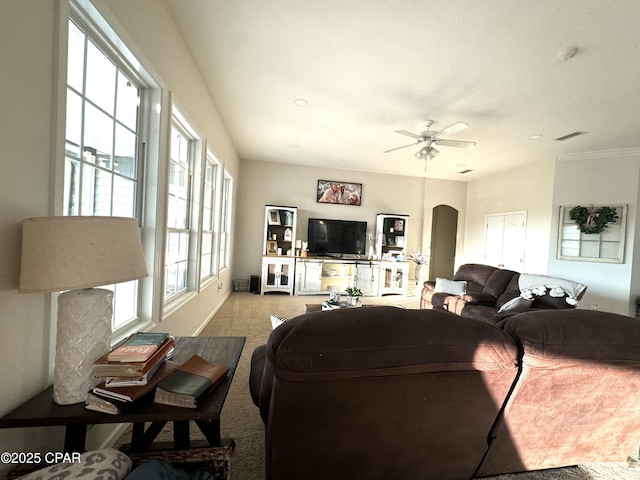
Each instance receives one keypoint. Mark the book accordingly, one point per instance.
(104, 368)
(138, 347)
(134, 381)
(190, 382)
(136, 392)
(112, 407)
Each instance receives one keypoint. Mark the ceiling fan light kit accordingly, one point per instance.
(429, 138)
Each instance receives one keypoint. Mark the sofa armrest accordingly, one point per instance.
(479, 299)
(428, 290)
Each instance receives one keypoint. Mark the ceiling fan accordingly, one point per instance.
(429, 138)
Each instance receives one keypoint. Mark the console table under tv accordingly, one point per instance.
(325, 275)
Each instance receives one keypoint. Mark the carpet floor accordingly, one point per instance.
(245, 314)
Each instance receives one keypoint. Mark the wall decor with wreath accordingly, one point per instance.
(592, 233)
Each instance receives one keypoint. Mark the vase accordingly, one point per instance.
(371, 252)
(353, 300)
(420, 272)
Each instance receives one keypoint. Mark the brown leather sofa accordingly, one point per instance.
(386, 393)
(488, 290)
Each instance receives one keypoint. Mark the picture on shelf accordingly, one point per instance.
(399, 226)
(274, 217)
(272, 247)
(344, 193)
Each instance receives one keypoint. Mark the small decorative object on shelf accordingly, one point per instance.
(288, 218)
(592, 219)
(391, 237)
(352, 295)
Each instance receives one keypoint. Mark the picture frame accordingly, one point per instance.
(338, 192)
(274, 217)
(272, 247)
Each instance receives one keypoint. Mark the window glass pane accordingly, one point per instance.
(124, 194)
(73, 125)
(125, 154)
(75, 59)
(101, 79)
(96, 191)
(177, 212)
(127, 305)
(70, 204)
(98, 136)
(127, 102)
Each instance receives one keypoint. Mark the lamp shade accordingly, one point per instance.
(67, 253)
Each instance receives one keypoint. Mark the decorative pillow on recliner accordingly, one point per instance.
(451, 287)
(277, 320)
(515, 303)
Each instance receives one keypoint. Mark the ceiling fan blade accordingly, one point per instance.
(451, 129)
(409, 134)
(455, 143)
(398, 148)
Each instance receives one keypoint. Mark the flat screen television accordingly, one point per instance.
(336, 237)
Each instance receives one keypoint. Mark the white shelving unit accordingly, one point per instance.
(278, 261)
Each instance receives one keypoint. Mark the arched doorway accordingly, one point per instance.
(444, 231)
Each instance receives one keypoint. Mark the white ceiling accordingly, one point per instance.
(369, 67)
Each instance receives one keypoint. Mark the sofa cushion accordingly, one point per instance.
(498, 281)
(475, 274)
(336, 344)
(553, 337)
(511, 291)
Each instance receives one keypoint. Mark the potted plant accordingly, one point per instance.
(352, 295)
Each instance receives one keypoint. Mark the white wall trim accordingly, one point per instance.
(598, 155)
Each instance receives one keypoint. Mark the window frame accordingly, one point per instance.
(192, 228)
(226, 221)
(97, 30)
(215, 191)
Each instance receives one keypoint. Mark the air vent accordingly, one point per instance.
(571, 135)
(466, 171)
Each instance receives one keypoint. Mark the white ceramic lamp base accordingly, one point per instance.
(84, 335)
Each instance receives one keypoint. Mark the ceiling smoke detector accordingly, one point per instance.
(568, 53)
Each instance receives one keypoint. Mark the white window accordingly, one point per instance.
(210, 218)
(225, 220)
(179, 269)
(102, 144)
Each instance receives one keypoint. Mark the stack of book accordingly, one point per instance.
(130, 372)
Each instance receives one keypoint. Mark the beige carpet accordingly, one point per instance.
(245, 314)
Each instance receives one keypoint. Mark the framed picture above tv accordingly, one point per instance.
(344, 193)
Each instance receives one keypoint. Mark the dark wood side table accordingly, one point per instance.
(41, 411)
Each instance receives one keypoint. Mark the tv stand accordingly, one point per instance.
(326, 275)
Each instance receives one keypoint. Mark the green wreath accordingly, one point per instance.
(591, 219)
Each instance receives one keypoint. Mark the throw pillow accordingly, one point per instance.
(514, 303)
(103, 463)
(277, 320)
(451, 287)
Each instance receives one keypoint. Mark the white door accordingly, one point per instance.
(505, 240)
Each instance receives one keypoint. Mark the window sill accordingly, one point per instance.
(175, 304)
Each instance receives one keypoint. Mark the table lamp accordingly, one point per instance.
(74, 254)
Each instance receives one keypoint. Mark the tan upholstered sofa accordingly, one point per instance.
(387, 393)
